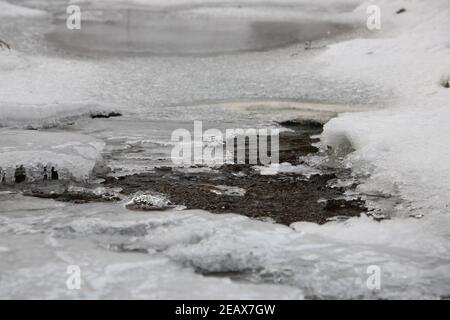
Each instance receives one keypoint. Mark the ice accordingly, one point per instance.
(40, 269)
(286, 167)
(140, 277)
(169, 3)
(34, 115)
(148, 201)
(11, 10)
(38, 77)
(399, 152)
(10, 59)
(99, 193)
(73, 155)
(167, 253)
(228, 190)
(403, 148)
(40, 83)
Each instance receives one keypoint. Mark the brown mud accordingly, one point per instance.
(284, 198)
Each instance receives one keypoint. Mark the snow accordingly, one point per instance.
(148, 201)
(43, 81)
(48, 115)
(40, 93)
(286, 167)
(401, 151)
(40, 257)
(11, 10)
(10, 60)
(404, 148)
(168, 253)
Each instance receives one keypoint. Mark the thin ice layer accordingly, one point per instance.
(74, 155)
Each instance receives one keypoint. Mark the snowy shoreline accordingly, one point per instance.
(411, 54)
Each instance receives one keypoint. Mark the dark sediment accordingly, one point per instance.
(446, 83)
(285, 197)
(105, 115)
(4, 44)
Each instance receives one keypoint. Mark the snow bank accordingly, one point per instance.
(73, 155)
(404, 148)
(11, 10)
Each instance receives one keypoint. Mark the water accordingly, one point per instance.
(162, 82)
(176, 33)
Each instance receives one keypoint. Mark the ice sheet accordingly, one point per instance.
(73, 155)
(167, 253)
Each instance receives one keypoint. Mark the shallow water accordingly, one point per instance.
(135, 31)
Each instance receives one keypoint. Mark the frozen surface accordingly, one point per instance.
(10, 10)
(400, 153)
(403, 149)
(74, 155)
(37, 116)
(138, 31)
(125, 254)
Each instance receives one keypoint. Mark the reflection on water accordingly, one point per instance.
(173, 33)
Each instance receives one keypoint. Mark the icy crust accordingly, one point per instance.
(39, 80)
(73, 155)
(11, 10)
(167, 252)
(404, 149)
(10, 59)
(51, 115)
(30, 89)
(404, 153)
(106, 275)
(41, 92)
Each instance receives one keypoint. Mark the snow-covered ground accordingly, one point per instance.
(400, 151)
(404, 148)
(11, 10)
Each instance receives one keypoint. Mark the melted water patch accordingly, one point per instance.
(133, 31)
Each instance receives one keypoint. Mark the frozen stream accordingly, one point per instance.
(160, 83)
